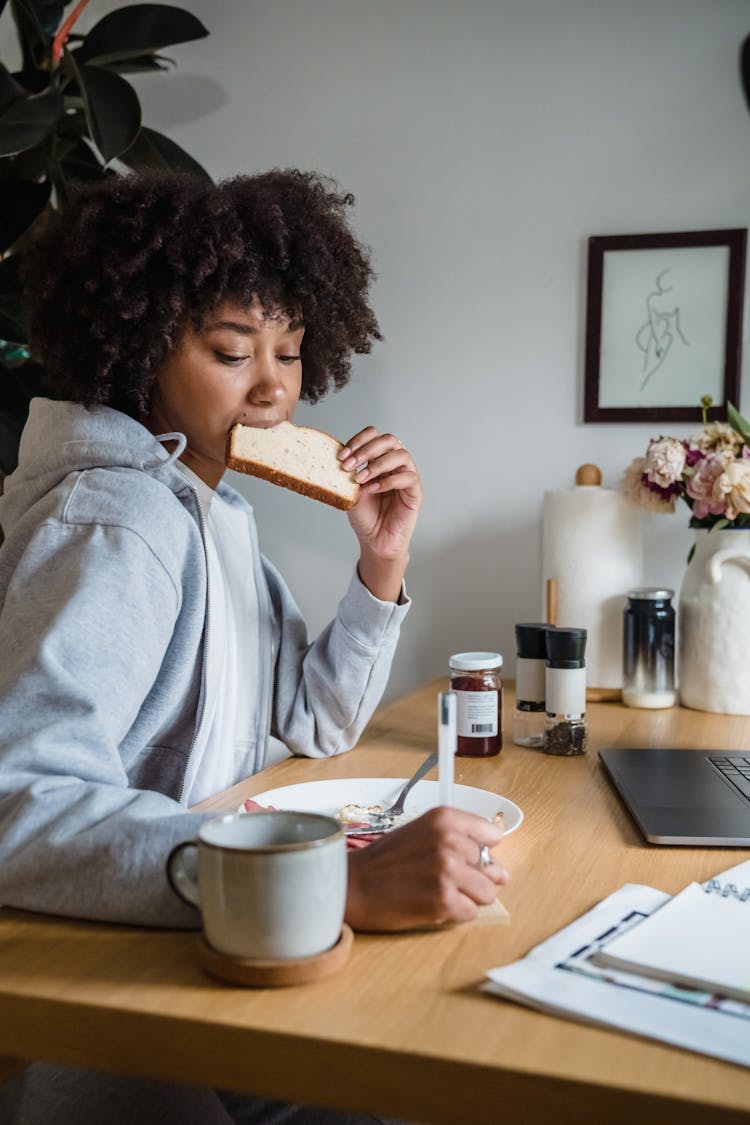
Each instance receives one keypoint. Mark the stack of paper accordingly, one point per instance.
(566, 975)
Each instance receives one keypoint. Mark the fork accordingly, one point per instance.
(381, 822)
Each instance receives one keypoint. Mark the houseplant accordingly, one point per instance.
(710, 473)
(67, 115)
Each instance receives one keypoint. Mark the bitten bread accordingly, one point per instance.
(295, 457)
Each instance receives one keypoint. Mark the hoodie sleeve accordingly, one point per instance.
(325, 692)
(87, 618)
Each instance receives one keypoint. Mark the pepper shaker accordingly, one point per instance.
(565, 727)
(531, 662)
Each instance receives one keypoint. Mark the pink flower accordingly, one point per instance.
(700, 486)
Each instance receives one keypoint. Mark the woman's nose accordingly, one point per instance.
(267, 387)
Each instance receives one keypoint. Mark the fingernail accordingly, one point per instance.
(345, 452)
(361, 475)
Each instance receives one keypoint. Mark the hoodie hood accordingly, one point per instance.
(64, 437)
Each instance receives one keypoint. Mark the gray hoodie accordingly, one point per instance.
(103, 618)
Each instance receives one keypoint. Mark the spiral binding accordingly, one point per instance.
(713, 886)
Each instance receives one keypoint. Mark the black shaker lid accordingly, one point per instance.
(566, 647)
(531, 643)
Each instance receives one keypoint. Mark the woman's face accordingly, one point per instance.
(243, 366)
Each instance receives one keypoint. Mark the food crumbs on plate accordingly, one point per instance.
(354, 814)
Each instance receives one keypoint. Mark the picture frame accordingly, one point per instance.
(663, 325)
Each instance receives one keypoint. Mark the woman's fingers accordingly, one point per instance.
(432, 870)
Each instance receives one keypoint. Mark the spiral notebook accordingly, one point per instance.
(700, 938)
(562, 975)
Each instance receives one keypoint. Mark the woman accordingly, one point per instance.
(141, 668)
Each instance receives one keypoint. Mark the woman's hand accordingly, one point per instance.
(427, 872)
(386, 512)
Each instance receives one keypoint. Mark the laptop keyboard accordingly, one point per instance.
(735, 769)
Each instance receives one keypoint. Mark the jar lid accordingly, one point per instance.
(651, 594)
(531, 640)
(475, 661)
(566, 647)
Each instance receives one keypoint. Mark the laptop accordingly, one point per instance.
(698, 797)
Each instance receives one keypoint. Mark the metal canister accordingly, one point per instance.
(648, 648)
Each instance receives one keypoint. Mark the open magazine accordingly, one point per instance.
(560, 977)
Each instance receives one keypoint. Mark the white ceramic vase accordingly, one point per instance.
(714, 624)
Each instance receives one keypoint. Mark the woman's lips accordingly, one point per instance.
(265, 424)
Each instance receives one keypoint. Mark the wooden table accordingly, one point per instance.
(402, 1029)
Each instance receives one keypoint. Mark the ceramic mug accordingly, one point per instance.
(270, 885)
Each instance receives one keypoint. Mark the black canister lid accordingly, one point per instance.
(531, 640)
(566, 647)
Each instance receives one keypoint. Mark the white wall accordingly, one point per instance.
(485, 140)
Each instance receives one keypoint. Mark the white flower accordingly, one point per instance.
(637, 492)
(665, 461)
(733, 488)
(716, 437)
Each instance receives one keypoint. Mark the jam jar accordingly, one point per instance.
(476, 678)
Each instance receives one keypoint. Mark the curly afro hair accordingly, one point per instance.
(115, 278)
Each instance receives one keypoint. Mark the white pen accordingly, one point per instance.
(446, 716)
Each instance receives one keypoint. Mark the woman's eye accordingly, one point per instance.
(289, 358)
(230, 360)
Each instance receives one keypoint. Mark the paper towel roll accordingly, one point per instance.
(592, 544)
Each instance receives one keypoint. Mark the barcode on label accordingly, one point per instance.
(482, 728)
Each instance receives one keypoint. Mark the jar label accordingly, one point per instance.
(529, 681)
(566, 691)
(476, 714)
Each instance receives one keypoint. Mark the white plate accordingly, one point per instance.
(330, 796)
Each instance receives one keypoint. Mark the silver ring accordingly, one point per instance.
(485, 859)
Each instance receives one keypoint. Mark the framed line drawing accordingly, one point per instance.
(663, 325)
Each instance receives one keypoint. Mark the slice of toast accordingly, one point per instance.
(295, 457)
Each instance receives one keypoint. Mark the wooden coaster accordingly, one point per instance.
(275, 974)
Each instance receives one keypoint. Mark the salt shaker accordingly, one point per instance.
(648, 649)
(565, 727)
(531, 661)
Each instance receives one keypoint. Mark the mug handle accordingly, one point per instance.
(183, 884)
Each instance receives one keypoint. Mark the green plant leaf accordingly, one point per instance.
(745, 69)
(80, 164)
(737, 422)
(21, 201)
(138, 29)
(50, 13)
(27, 121)
(153, 150)
(31, 34)
(113, 111)
(10, 89)
(140, 64)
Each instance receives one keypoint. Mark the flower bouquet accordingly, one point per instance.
(709, 471)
